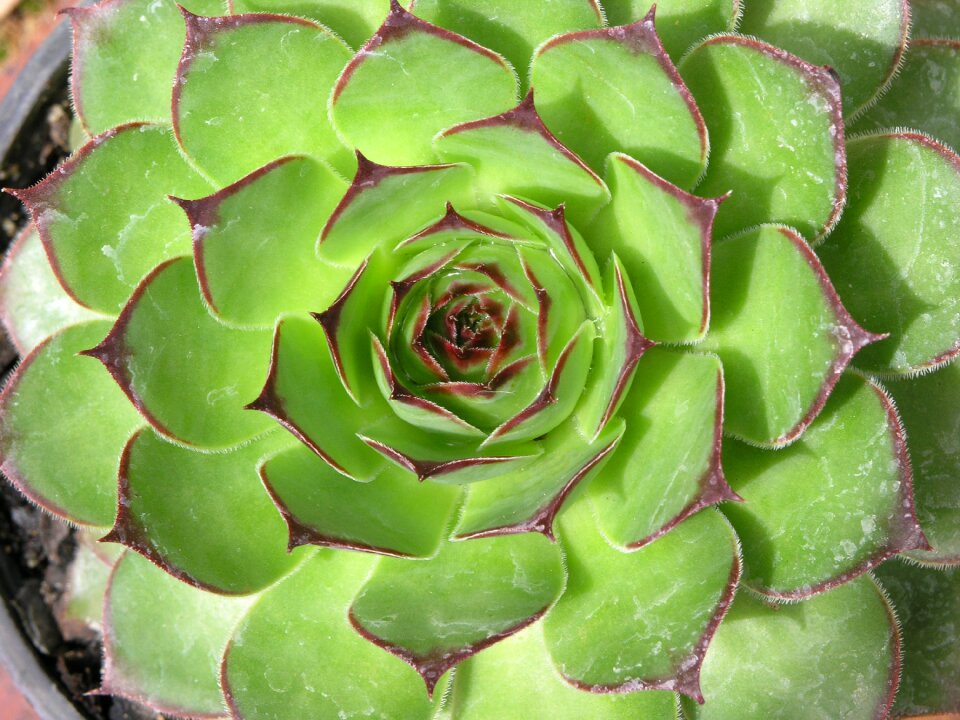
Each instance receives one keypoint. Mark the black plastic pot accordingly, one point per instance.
(22, 119)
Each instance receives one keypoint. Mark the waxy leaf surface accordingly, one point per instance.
(680, 23)
(353, 20)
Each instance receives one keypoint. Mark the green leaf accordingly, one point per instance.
(202, 517)
(188, 375)
(550, 174)
(528, 499)
(830, 507)
(474, 599)
(925, 95)
(393, 514)
(680, 23)
(780, 360)
(63, 424)
(615, 89)
(353, 20)
(33, 303)
(288, 66)
(777, 133)
(662, 235)
(163, 640)
(295, 656)
(79, 610)
(254, 242)
(930, 408)
(398, 92)
(863, 42)
(385, 205)
(928, 604)
(653, 483)
(641, 620)
(104, 216)
(510, 28)
(835, 655)
(894, 257)
(516, 680)
(125, 55)
(301, 391)
(933, 19)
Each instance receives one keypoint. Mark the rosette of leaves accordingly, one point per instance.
(427, 367)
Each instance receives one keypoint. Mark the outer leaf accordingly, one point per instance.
(615, 89)
(835, 655)
(398, 91)
(926, 93)
(79, 610)
(202, 517)
(63, 423)
(516, 680)
(353, 20)
(295, 655)
(780, 152)
(254, 242)
(781, 360)
(475, 600)
(832, 506)
(163, 640)
(188, 375)
(863, 42)
(930, 408)
(641, 620)
(680, 23)
(288, 66)
(663, 237)
(653, 483)
(124, 55)
(102, 242)
(895, 257)
(928, 604)
(33, 304)
(393, 514)
(934, 19)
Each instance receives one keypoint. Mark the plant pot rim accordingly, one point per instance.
(21, 106)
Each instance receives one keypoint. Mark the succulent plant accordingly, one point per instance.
(483, 359)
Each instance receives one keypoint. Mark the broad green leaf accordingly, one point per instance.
(615, 89)
(831, 506)
(662, 235)
(928, 605)
(641, 620)
(863, 42)
(125, 55)
(33, 303)
(777, 133)
(188, 375)
(934, 19)
(930, 408)
(781, 359)
(680, 23)
(385, 205)
(828, 657)
(104, 216)
(288, 66)
(303, 389)
(393, 514)
(254, 242)
(353, 20)
(894, 256)
(202, 517)
(516, 680)
(63, 424)
(652, 482)
(925, 95)
(295, 656)
(163, 640)
(513, 29)
(550, 174)
(480, 591)
(528, 499)
(395, 96)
